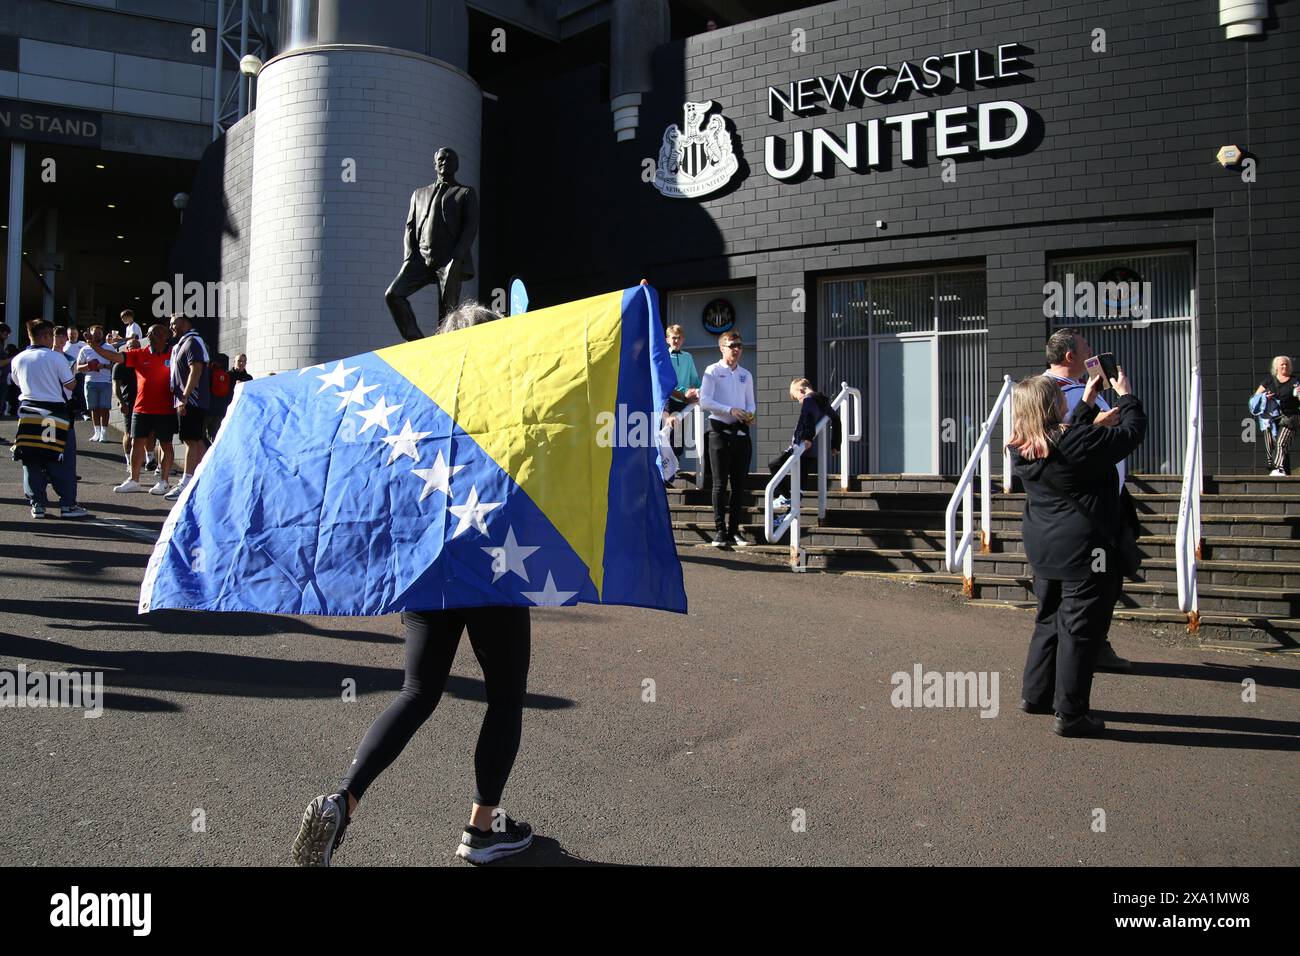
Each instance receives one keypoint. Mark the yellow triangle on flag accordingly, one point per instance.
(529, 389)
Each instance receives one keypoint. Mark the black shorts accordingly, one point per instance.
(192, 424)
(161, 427)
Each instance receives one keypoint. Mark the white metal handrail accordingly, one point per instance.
(1187, 539)
(850, 426)
(849, 399)
(965, 492)
(695, 440)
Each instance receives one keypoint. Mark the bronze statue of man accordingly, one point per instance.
(440, 228)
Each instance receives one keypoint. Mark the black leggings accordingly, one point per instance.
(501, 640)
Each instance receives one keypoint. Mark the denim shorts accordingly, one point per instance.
(99, 395)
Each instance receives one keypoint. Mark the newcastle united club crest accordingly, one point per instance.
(698, 158)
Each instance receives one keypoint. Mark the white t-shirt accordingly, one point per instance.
(41, 375)
(133, 330)
(723, 388)
(105, 374)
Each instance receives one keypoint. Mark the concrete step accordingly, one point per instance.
(1275, 578)
(1253, 552)
(1211, 504)
(1260, 608)
(1228, 631)
(1247, 556)
(1216, 484)
(1008, 578)
(1237, 526)
(1137, 483)
(1244, 525)
(1243, 617)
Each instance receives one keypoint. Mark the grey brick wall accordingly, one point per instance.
(322, 250)
(1126, 159)
(237, 201)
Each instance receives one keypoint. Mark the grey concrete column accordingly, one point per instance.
(49, 275)
(636, 28)
(14, 251)
(324, 248)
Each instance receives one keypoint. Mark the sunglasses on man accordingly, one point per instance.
(734, 345)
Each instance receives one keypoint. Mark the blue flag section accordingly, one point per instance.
(489, 466)
(518, 297)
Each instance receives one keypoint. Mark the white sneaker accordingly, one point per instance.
(161, 488)
(1277, 473)
(781, 503)
(129, 485)
(175, 492)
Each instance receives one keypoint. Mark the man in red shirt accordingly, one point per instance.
(154, 415)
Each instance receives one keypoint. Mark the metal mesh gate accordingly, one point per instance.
(1157, 349)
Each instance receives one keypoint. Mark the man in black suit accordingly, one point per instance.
(440, 228)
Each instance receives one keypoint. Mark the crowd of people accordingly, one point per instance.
(165, 383)
(1067, 447)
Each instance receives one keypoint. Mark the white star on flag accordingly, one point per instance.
(378, 414)
(356, 396)
(512, 554)
(337, 378)
(548, 596)
(403, 443)
(310, 368)
(437, 478)
(472, 513)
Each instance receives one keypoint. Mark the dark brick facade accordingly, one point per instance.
(1126, 161)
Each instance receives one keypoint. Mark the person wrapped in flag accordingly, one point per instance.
(459, 479)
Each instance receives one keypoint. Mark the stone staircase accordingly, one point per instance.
(1248, 579)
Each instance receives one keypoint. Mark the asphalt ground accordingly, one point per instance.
(771, 708)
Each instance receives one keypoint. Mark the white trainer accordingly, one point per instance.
(129, 485)
(161, 488)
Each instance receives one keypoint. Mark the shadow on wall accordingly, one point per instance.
(566, 206)
(213, 243)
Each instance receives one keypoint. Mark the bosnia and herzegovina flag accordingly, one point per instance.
(510, 463)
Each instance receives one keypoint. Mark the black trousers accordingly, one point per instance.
(729, 464)
(1069, 630)
(501, 638)
(414, 276)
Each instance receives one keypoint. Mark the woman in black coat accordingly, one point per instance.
(1076, 572)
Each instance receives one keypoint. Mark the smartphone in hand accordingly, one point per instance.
(1108, 366)
(1094, 367)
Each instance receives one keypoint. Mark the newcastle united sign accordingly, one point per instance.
(698, 158)
(963, 130)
